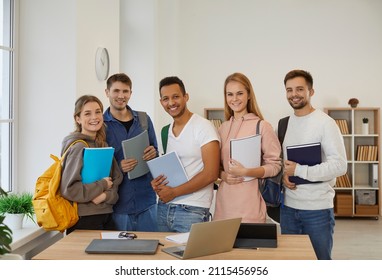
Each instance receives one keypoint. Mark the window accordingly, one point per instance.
(6, 93)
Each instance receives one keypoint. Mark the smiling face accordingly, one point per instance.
(90, 119)
(173, 100)
(298, 93)
(119, 95)
(237, 98)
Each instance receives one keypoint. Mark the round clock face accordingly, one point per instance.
(102, 64)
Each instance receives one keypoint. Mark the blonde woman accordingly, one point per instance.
(236, 197)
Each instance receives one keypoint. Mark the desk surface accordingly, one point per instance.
(72, 247)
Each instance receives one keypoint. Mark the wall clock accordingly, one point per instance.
(102, 64)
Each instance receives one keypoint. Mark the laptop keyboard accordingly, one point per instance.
(179, 253)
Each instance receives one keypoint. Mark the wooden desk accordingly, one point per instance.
(72, 247)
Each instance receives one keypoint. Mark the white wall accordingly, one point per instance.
(339, 42)
(138, 53)
(47, 88)
(97, 26)
(201, 41)
(57, 44)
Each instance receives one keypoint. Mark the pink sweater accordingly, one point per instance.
(244, 200)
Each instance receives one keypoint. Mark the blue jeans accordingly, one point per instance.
(180, 217)
(143, 221)
(318, 224)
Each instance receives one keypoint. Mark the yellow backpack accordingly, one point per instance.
(53, 212)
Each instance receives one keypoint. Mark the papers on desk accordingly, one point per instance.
(180, 238)
(247, 151)
(133, 148)
(110, 234)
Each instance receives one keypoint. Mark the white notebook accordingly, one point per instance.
(247, 151)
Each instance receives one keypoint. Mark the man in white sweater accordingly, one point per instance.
(308, 207)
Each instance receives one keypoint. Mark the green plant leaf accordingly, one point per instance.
(5, 237)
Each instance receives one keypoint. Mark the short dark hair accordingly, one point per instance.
(299, 73)
(119, 77)
(171, 81)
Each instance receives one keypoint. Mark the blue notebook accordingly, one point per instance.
(97, 164)
(307, 154)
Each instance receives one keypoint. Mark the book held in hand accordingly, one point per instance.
(247, 151)
(306, 154)
(96, 164)
(170, 166)
(133, 148)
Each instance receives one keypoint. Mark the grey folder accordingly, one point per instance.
(133, 148)
(122, 246)
(207, 238)
(256, 235)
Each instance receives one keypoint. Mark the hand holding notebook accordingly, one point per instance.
(306, 154)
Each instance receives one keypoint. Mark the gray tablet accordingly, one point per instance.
(256, 235)
(122, 246)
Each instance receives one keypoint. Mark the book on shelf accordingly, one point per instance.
(247, 151)
(216, 122)
(96, 164)
(343, 181)
(133, 148)
(306, 154)
(367, 153)
(343, 126)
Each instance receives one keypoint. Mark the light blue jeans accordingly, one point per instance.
(180, 217)
(318, 224)
(143, 221)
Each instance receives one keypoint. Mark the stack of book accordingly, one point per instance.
(343, 125)
(216, 122)
(367, 153)
(343, 181)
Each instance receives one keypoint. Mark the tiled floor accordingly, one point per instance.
(357, 239)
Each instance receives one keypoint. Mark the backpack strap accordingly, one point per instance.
(74, 142)
(142, 117)
(258, 127)
(282, 128)
(164, 136)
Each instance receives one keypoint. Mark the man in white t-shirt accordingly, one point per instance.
(197, 144)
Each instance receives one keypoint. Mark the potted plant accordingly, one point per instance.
(353, 102)
(365, 126)
(19, 205)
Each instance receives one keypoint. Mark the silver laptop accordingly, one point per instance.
(207, 238)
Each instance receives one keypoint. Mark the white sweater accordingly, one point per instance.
(316, 127)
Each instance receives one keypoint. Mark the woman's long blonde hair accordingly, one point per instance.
(252, 106)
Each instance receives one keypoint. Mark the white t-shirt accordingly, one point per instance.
(196, 133)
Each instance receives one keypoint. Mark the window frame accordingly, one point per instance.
(8, 184)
